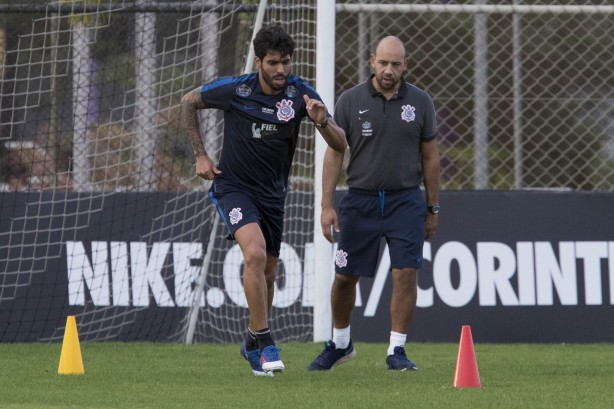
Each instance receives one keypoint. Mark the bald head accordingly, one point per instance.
(388, 63)
(391, 45)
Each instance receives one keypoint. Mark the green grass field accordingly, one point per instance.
(146, 375)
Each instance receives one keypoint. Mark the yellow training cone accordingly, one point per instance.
(70, 358)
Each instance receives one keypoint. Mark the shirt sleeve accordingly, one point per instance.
(216, 94)
(341, 118)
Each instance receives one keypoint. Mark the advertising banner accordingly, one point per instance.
(518, 266)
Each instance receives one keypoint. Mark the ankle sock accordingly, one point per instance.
(396, 340)
(251, 342)
(264, 338)
(341, 337)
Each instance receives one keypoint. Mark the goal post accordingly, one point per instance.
(323, 255)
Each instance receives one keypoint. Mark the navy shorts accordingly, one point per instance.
(238, 208)
(368, 216)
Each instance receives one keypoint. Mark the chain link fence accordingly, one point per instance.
(525, 99)
(524, 95)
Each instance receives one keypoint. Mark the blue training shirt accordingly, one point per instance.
(260, 132)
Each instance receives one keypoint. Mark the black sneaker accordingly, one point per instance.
(332, 356)
(399, 361)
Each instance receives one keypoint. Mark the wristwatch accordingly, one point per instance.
(433, 208)
(323, 124)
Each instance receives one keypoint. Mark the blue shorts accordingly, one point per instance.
(368, 216)
(238, 208)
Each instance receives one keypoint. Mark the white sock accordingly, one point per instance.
(341, 337)
(396, 340)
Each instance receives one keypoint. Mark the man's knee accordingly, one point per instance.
(345, 282)
(270, 270)
(254, 256)
(406, 277)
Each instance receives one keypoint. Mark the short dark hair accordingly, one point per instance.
(273, 38)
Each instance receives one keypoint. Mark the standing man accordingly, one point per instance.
(262, 114)
(391, 131)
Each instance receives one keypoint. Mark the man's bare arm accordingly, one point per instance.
(430, 170)
(331, 132)
(190, 104)
(333, 163)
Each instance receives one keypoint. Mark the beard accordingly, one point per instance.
(270, 81)
(387, 83)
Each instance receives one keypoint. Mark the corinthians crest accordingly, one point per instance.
(285, 112)
(408, 113)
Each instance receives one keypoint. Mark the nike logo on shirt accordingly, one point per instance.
(360, 111)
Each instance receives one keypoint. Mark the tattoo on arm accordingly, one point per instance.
(190, 104)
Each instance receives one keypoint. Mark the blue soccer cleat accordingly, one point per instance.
(253, 358)
(270, 360)
(399, 361)
(332, 356)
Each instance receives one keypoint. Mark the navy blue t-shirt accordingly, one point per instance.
(260, 132)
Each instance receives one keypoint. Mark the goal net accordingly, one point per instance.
(102, 215)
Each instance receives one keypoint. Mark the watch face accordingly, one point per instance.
(434, 209)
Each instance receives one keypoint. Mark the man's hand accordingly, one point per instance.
(205, 168)
(431, 225)
(315, 109)
(328, 219)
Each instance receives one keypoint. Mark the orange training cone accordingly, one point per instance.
(70, 358)
(466, 375)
